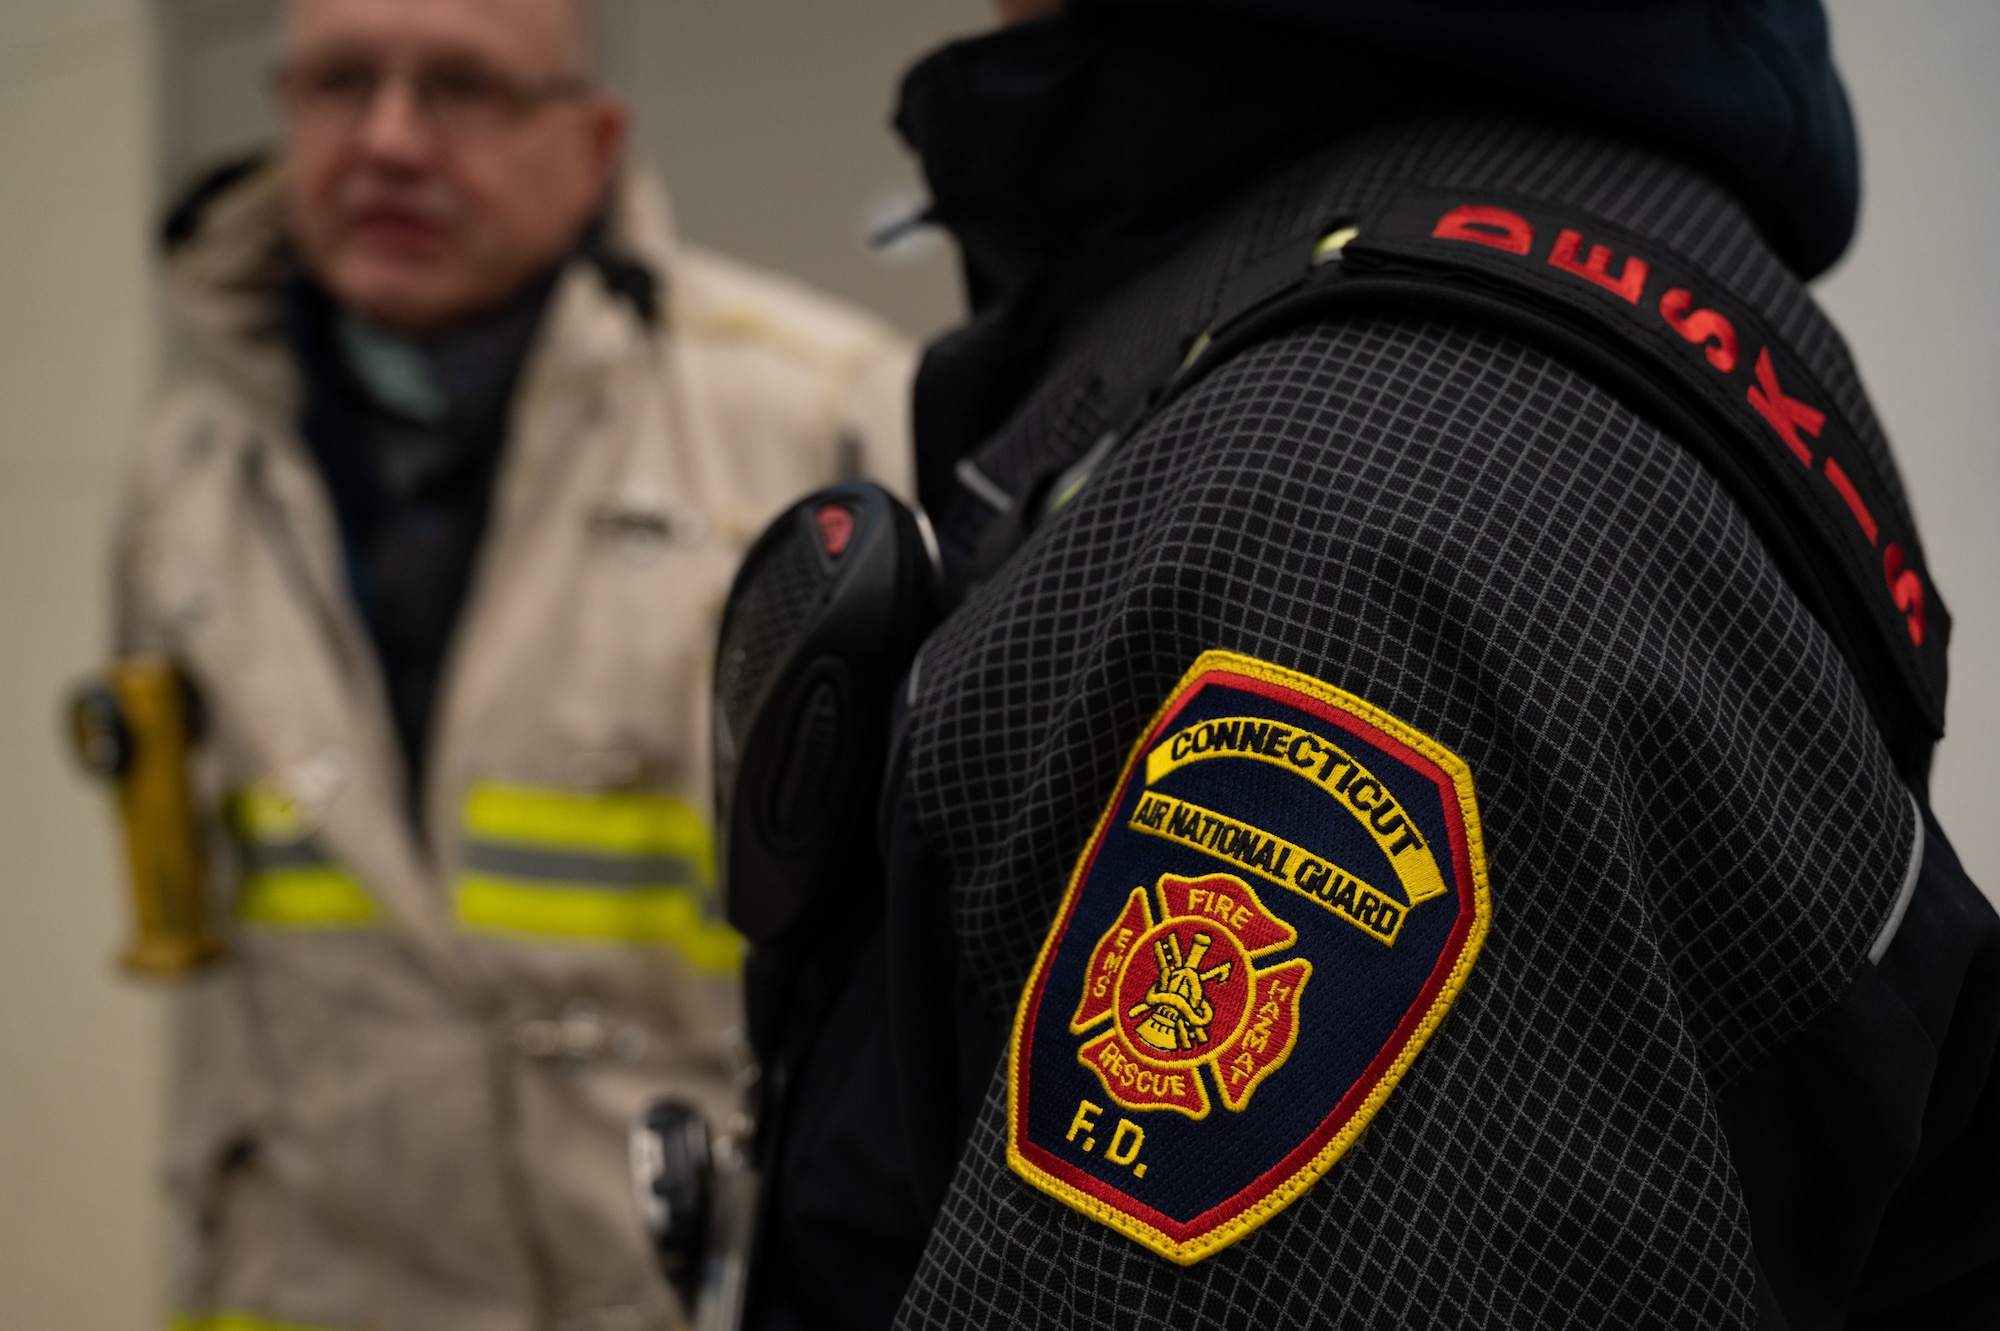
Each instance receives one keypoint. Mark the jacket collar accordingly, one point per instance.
(1069, 155)
(227, 278)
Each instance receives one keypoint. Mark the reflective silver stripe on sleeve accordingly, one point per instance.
(533, 864)
(1896, 913)
(267, 857)
(983, 486)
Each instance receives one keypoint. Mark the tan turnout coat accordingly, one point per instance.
(403, 1101)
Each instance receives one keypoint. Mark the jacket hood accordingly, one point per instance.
(1743, 88)
(1066, 154)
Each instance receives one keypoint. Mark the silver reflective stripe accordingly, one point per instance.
(983, 486)
(1902, 906)
(916, 673)
(929, 534)
(534, 864)
(1078, 474)
(266, 857)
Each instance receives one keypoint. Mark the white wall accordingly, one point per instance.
(770, 120)
(1919, 301)
(79, 1062)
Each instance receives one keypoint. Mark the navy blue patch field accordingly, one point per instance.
(1283, 897)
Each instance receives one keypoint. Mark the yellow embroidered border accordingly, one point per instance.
(1284, 1194)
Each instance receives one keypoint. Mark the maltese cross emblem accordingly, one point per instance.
(1183, 991)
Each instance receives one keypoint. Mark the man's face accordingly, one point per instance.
(440, 152)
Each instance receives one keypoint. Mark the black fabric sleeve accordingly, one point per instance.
(1868, 1148)
(842, 1227)
(1692, 830)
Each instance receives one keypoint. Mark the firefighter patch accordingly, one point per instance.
(1281, 900)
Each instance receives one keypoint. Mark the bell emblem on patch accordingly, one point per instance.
(1177, 1016)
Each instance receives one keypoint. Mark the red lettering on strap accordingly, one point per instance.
(1701, 326)
(1486, 226)
(1853, 498)
(1787, 415)
(1907, 588)
(1597, 267)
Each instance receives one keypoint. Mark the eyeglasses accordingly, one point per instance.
(458, 99)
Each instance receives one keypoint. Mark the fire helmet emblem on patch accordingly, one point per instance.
(1283, 897)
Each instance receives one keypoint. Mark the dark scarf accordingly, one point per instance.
(412, 487)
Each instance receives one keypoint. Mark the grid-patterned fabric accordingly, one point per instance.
(1693, 830)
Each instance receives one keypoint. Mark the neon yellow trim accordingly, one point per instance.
(652, 915)
(234, 1322)
(263, 816)
(1333, 242)
(305, 898)
(1202, 1245)
(623, 823)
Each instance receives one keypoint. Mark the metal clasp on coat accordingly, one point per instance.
(579, 1035)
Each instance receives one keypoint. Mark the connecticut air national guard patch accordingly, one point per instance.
(1283, 897)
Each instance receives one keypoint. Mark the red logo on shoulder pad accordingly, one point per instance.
(1283, 897)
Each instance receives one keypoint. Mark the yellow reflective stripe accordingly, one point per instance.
(648, 915)
(288, 882)
(234, 1322)
(260, 814)
(622, 823)
(305, 898)
(591, 866)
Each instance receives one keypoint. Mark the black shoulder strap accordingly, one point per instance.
(1650, 328)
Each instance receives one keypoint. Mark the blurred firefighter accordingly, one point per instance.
(437, 529)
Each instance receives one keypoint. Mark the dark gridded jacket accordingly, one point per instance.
(1694, 831)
